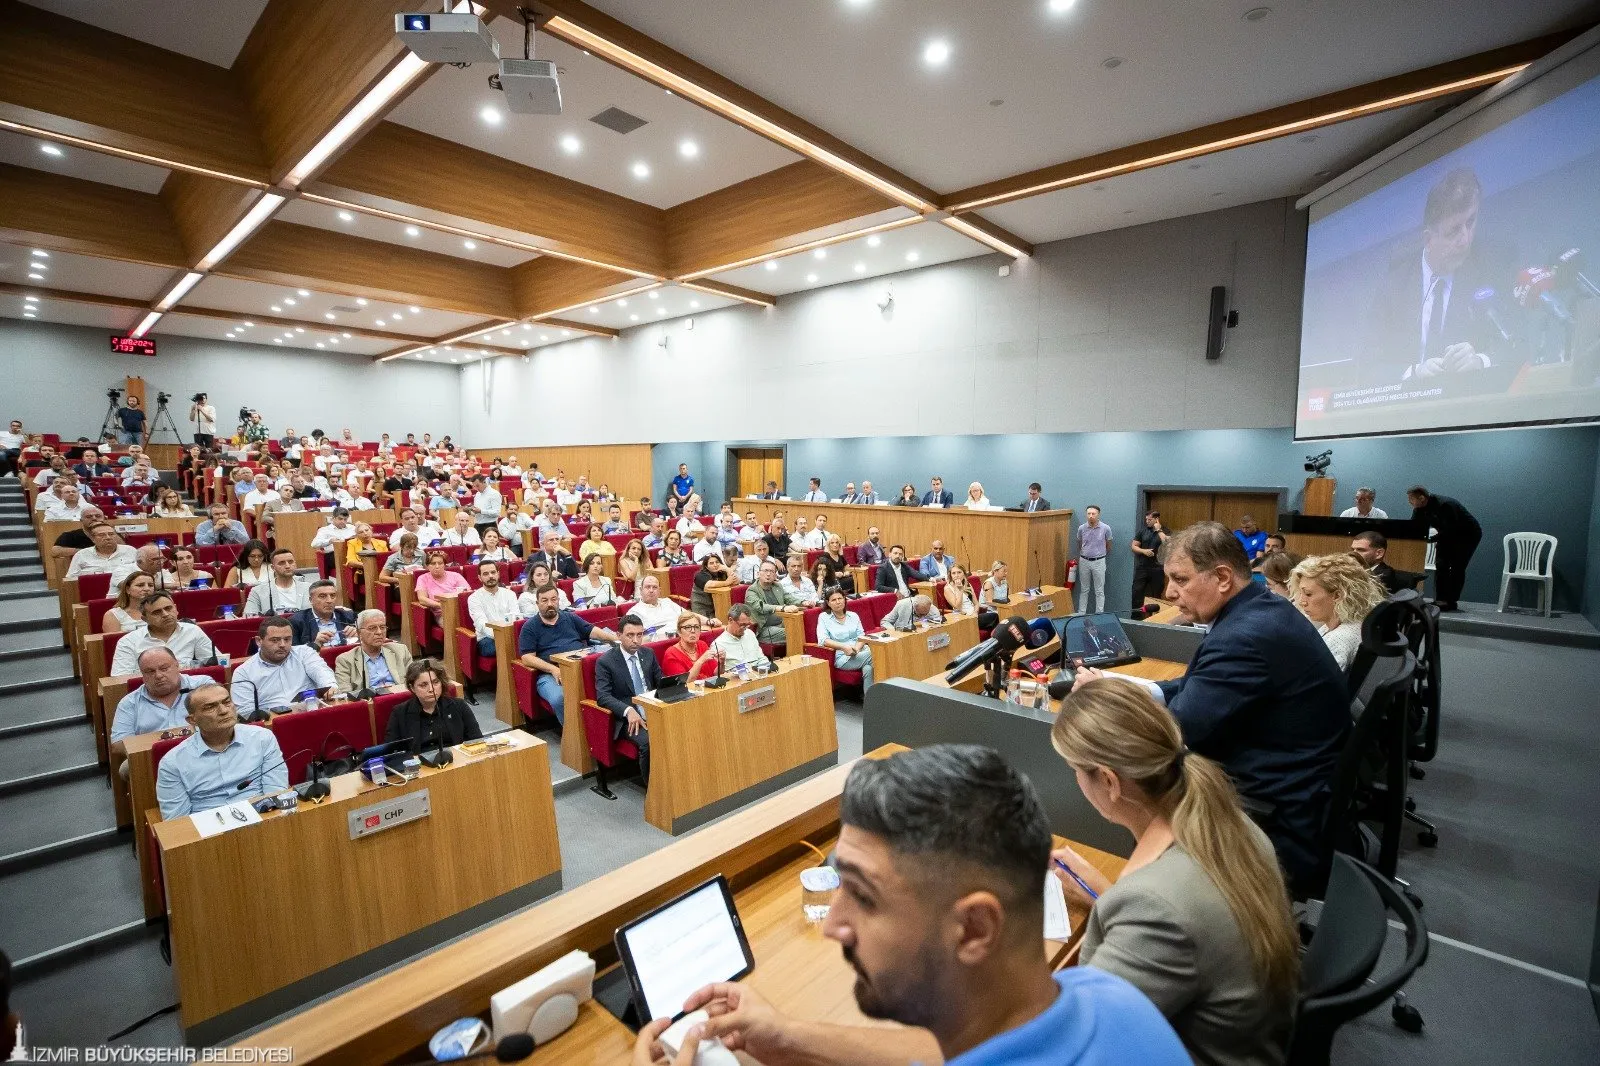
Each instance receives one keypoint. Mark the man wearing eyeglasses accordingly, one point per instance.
(222, 761)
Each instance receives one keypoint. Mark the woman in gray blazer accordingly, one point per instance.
(1199, 918)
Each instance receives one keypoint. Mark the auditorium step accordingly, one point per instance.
(24, 710)
(12, 575)
(28, 590)
(56, 678)
(55, 905)
(19, 557)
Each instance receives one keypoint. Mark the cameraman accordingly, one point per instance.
(251, 428)
(204, 417)
(130, 422)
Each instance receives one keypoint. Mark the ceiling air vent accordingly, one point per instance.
(614, 118)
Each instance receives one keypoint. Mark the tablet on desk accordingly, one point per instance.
(682, 946)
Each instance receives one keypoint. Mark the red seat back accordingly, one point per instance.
(382, 708)
(203, 604)
(852, 555)
(93, 586)
(680, 580)
(216, 557)
(872, 607)
(159, 749)
(589, 663)
(618, 541)
(331, 730)
(808, 619)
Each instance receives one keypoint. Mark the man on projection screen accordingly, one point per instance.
(1442, 305)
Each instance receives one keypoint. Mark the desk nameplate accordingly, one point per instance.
(936, 641)
(390, 813)
(1045, 606)
(756, 699)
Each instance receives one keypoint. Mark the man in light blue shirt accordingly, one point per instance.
(1094, 544)
(279, 671)
(220, 529)
(942, 857)
(160, 702)
(815, 493)
(221, 762)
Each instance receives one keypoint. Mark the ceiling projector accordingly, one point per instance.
(447, 38)
(530, 85)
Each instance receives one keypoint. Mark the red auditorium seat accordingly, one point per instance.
(327, 731)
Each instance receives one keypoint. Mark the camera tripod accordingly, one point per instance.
(110, 423)
(163, 412)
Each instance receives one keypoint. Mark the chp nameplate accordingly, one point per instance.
(1046, 606)
(389, 813)
(755, 699)
(938, 640)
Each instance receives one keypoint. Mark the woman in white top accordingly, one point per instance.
(538, 578)
(976, 500)
(593, 588)
(957, 592)
(494, 549)
(839, 630)
(251, 569)
(996, 587)
(1337, 593)
(170, 505)
(632, 563)
(125, 614)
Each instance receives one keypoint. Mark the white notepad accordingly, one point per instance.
(1057, 922)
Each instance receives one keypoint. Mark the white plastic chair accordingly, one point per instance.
(1527, 560)
(1429, 559)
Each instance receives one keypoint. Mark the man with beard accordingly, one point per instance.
(550, 633)
(942, 855)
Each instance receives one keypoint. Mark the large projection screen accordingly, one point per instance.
(1456, 285)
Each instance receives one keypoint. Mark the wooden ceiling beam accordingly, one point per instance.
(67, 79)
(557, 215)
(70, 296)
(85, 217)
(547, 287)
(1460, 75)
(580, 327)
(282, 253)
(204, 210)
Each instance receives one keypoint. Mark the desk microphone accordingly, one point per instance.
(1038, 571)
(512, 1048)
(256, 713)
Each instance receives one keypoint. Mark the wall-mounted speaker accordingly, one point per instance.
(1217, 321)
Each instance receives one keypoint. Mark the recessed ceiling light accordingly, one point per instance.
(912, 256)
(654, 295)
(622, 303)
(277, 340)
(694, 303)
(566, 333)
(333, 340)
(542, 336)
(820, 253)
(49, 149)
(505, 333)
(861, 268)
(641, 170)
(30, 299)
(360, 302)
(228, 335)
(412, 231)
(345, 216)
(346, 336)
(35, 277)
(594, 310)
(772, 264)
(1060, 7)
(1111, 62)
(633, 318)
(299, 329)
(1256, 14)
(874, 240)
(416, 310)
(303, 292)
(248, 324)
(382, 321)
(321, 345)
(936, 53)
(688, 149)
(290, 300)
(527, 325)
(470, 246)
(328, 315)
(811, 279)
(29, 314)
(661, 310)
(38, 266)
(39, 254)
(491, 115)
(571, 145)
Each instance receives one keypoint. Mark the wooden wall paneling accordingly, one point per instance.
(81, 81)
(763, 214)
(1229, 507)
(625, 468)
(1179, 508)
(71, 215)
(282, 253)
(204, 209)
(549, 286)
(556, 212)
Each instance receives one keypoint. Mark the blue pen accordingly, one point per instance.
(1067, 870)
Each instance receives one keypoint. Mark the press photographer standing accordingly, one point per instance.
(130, 422)
(204, 417)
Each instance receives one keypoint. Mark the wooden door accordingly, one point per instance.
(1229, 508)
(1180, 509)
(772, 468)
(757, 466)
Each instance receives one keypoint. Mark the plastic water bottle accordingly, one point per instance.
(1014, 687)
(161, 543)
(227, 610)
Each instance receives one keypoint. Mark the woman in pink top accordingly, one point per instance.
(436, 581)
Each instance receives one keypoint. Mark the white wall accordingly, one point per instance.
(55, 378)
(1103, 332)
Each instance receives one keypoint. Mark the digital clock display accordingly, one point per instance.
(132, 345)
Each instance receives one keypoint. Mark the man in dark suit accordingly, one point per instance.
(1436, 313)
(1458, 537)
(937, 495)
(560, 562)
(1372, 547)
(895, 576)
(1035, 500)
(623, 672)
(1262, 696)
(91, 466)
(324, 622)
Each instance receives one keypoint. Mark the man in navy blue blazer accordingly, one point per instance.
(625, 671)
(937, 495)
(1263, 696)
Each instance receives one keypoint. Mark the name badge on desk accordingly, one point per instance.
(1046, 606)
(938, 640)
(756, 699)
(389, 813)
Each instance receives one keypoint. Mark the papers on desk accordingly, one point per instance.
(1057, 922)
(222, 819)
(1148, 685)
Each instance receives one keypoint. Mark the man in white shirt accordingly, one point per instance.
(162, 629)
(749, 566)
(657, 535)
(737, 645)
(658, 613)
(336, 532)
(797, 583)
(281, 594)
(274, 677)
(1365, 498)
(411, 522)
(707, 544)
(487, 503)
(11, 442)
(204, 417)
(689, 521)
(261, 495)
(488, 604)
(162, 702)
(549, 521)
(511, 468)
(48, 474)
(106, 556)
(147, 559)
(814, 493)
(67, 507)
(282, 500)
(817, 539)
(138, 475)
(512, 525)
(751, 531)
(462, 535)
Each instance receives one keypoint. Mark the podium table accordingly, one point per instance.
(923, 651)
(268, 916)
(722, 748)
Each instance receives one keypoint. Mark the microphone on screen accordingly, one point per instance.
(1570, 275)
(1483, 306)
(1533, 289)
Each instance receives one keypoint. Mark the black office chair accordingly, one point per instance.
(1336, 983)
(1422, 630)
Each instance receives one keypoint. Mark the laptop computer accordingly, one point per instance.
(1097, 640)
(673, 689)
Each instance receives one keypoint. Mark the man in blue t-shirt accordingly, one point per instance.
(942, 856)
(550, 633)
(1252, 538)
(683, 484)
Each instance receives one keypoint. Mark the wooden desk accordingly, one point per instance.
(799, 970)
(1035, 545)
(1167, 614)
(1052, 601)
(708, 757)
(909, 654)
(1409, 555)
(1149, 669)
(295, 529)
(277, 913)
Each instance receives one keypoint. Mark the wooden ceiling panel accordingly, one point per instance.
(557, 213)
(71, 215)
(204, 209)
(77, 80)
(282, 253)
(547, 286)
(763, 215)
(306, 62)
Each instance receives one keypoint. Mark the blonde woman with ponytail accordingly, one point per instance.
(1199, 919)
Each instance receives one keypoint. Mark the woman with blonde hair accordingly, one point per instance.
(1199, 918)
(125, 613)
(1337, 593)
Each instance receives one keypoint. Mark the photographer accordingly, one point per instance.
(130, 420)
(251, 429)
(204, 417)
